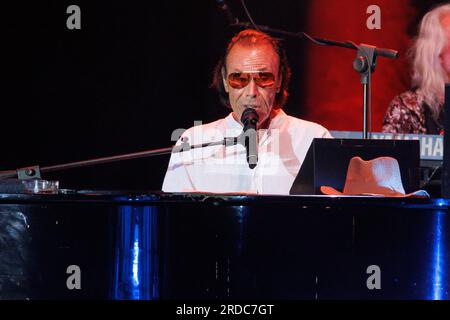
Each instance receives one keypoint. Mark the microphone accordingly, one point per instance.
(225, 8)
(250, 119)
(388, 53)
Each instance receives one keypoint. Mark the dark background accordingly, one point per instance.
(134, 72)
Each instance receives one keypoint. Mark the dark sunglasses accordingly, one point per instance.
(239, 80)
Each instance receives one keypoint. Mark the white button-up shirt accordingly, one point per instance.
(224, 169)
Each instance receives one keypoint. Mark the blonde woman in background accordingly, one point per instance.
(420, 110)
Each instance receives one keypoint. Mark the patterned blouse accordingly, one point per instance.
(408, 113)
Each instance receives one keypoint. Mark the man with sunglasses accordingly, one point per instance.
(254, 73)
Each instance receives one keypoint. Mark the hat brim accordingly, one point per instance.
(333, 192)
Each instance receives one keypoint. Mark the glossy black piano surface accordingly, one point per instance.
(198, 246)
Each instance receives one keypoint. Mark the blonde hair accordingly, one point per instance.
(428, 74)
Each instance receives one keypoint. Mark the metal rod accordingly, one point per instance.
(365, 110)
(129, 156)
(384, 52)
(91, 162)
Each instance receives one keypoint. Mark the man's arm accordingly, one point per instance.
(177, 178)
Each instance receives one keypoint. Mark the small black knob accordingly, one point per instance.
(360, 64)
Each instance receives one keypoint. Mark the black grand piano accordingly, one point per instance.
(158, 246)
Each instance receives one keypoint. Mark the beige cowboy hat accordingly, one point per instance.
(377, 177)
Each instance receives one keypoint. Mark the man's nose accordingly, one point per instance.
(252, 89)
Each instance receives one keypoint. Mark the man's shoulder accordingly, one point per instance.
(220, 123)
(207, 132)
(305, 125)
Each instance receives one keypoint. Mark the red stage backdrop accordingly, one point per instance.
(333, 95)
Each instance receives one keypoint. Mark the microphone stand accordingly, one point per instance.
(364, 63)
(34, 172)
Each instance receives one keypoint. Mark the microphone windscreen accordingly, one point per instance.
(249, 118)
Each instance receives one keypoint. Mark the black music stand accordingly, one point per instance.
(327, 160)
